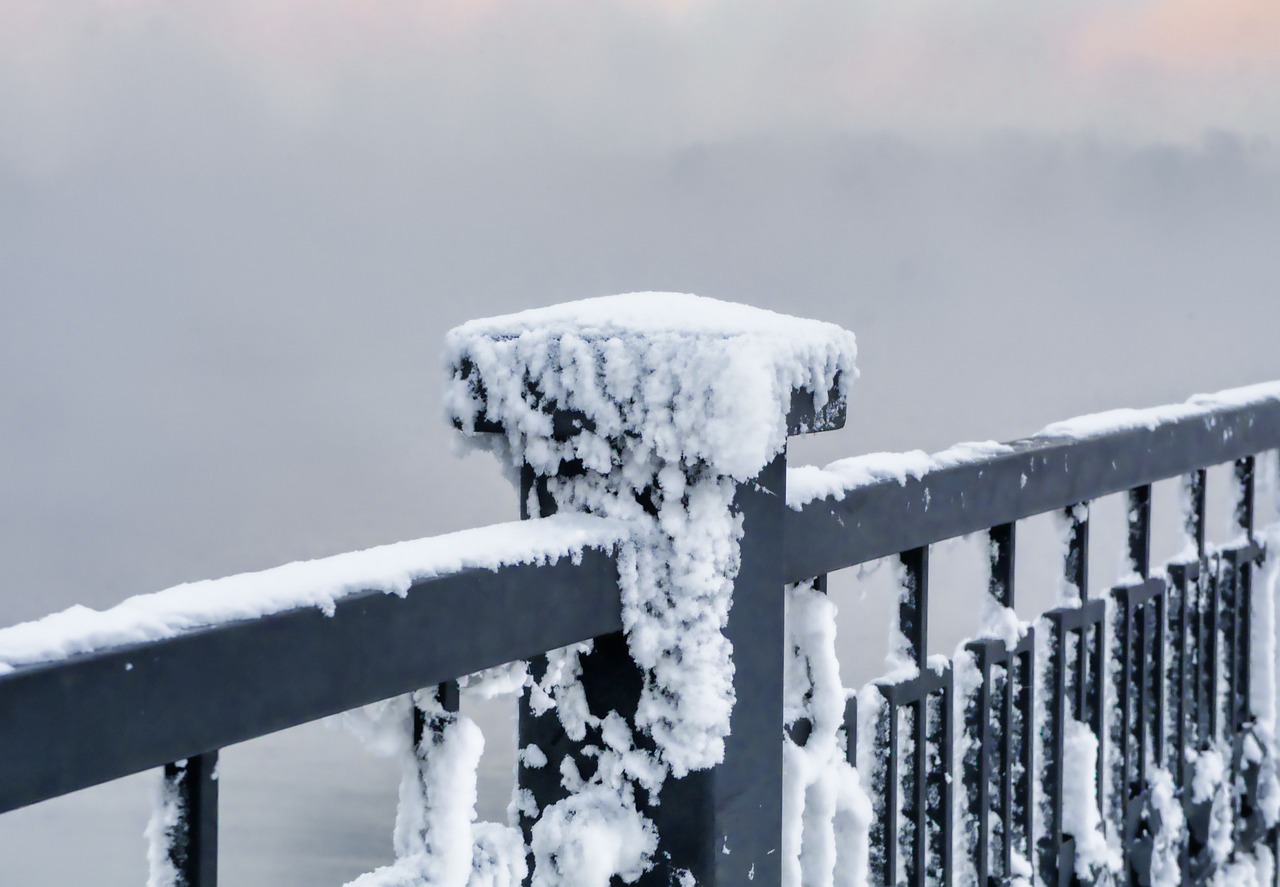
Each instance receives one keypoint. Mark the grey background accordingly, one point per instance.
(232, 238)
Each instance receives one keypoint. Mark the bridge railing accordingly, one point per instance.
(1157, 668)
(953, 770)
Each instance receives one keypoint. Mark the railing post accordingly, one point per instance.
(723, 825)
(672, 413)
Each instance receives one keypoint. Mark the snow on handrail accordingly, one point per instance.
(808, 483)
(317, 583)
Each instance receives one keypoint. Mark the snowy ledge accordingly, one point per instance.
(320, 583)
(809, 483)
(670, 376)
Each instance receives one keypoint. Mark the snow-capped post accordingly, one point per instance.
(655, 756)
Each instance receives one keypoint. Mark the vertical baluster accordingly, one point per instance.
(193, 838)
(1140, 530)
(1002, 556)
(1197, 610)
(913, 606)
(1246, 498)
(1194, 486)
(851, 730)
(1213, 673)
(1093, 637)
(1142, 623)
(1077, 560)
(913, 621)
(1050, 844)
(1246, 494)
(889, 831)
(450, 700)
(1077, 574)
(1003, 589)
(1023, 788)
(1123, 683)
(977, 764)
(1159, 698)
(938, 790)
(1181, 576)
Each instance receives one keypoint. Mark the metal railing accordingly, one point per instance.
(1177, 651)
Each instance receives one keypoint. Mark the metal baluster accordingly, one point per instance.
(1140, 530)
(193, 839)
(913, 619)
(1003, 589)
(1246, 487)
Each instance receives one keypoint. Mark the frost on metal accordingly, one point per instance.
(162, 829)
(437, 841)
(650, 408)
(826, 814)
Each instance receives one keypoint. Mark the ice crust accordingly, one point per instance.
(316, 583)
(666, 403)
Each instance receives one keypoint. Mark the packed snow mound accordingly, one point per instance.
(692, 379)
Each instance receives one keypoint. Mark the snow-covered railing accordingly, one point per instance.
(1125, 737)
(661, 616)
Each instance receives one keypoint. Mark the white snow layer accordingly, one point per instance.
(1199, 406)
(674, 400)
(315, 583)
(808, 483)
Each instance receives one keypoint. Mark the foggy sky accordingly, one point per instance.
(232, 236)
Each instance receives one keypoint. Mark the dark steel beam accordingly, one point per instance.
(1035, 476)
(68, 725)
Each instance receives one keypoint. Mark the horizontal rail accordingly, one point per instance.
(78, 722)
(1029, 477)
(94, 717)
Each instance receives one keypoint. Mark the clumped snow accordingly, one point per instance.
(826, 813)
(316, 583)
(1080, 816)
(166, 816)
(666, 402)
(437, 841)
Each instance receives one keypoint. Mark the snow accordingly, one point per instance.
(674, 400)
(437, 841)
(808, 483)
(316, 583)
(699, 380)
(826, 814)
(1201, 405)
(162, 827)
(1080, 816)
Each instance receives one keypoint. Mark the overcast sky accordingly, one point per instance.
(234, 232)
